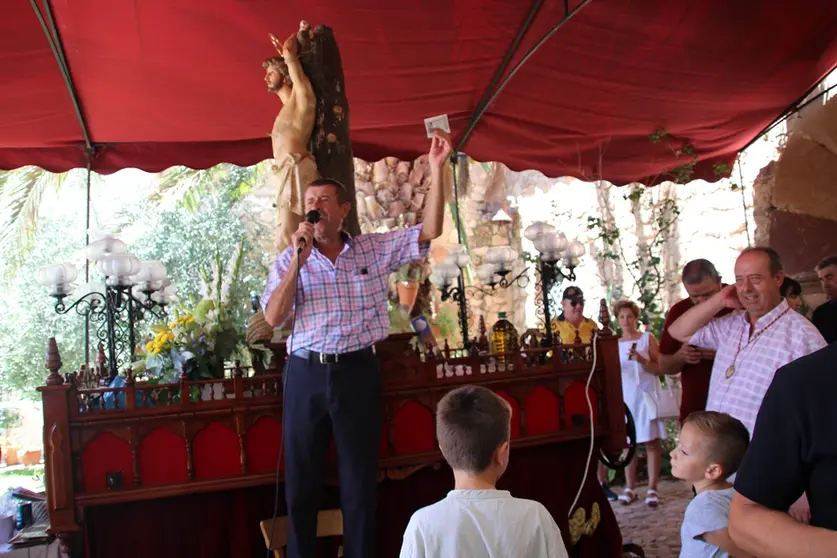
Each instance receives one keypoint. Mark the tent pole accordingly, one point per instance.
(86, 258)
(54, 40)
(486, 94)
(790, 111)
(481, 109)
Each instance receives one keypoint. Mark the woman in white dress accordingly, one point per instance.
(639, 356)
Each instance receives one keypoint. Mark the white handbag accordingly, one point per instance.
(663, 402)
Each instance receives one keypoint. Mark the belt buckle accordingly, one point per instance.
(324, 358)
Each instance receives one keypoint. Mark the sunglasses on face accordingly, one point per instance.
(575, 303)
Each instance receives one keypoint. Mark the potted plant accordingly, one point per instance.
(407, 284)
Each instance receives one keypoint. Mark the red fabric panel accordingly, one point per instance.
(216, 452)
(515, 421)
(262, 445)
(106, 453)
(414, 428)
(384, 445)
(224, 524)
(542, 414)
(164, 83)
(576, 404)
(162, 458)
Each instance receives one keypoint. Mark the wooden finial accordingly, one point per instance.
(604, 318)
(53, 363)
(483, 338)
(237, 371)
(129, 376)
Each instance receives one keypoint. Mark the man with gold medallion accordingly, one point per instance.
(758, 337)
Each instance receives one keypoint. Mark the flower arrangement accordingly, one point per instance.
(203, 334)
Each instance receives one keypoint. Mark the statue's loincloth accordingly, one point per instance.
(293, 174)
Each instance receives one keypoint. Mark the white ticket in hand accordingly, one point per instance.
(436, 122)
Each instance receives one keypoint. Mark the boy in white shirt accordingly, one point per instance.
(712, 446)
(476, 520)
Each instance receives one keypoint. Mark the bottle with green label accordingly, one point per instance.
(504, 338)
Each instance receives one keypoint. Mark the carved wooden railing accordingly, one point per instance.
(143, 441)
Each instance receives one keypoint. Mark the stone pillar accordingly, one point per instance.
(795, 199)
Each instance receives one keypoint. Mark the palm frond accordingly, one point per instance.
(21, 194)
(188, 186)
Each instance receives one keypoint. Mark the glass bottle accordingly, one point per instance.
(504, 338)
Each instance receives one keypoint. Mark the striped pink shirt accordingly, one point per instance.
(791, 337)
(343, 306)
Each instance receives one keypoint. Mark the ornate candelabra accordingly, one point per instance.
(132, 290)
(558, 258)
(554, 249)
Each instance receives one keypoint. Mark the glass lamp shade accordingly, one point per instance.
(457, 256)
(57, 274)
(119, 268)
(459, 259)
(437, 279)
(570, 262)
(501, 256)
(61, 289)
(104, 247)
(152, 271)
(551, 243)
(448, 271)
(537, 229)
(166, 295)
(575, 249)
(487, 273)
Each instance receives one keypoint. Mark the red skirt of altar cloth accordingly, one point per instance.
(226, 524)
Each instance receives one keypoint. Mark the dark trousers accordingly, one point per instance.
(346, 399)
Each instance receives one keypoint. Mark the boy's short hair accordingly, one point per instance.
(471, 421)
(727, 436)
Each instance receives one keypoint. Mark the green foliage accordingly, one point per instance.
(187, 239)
(192, 218)
(646, 267)
(29, 318)
(21, 194)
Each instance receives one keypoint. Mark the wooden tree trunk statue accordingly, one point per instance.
(330, 142)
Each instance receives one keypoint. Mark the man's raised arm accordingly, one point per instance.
(698, 316)
(440, 149)
(301, 88)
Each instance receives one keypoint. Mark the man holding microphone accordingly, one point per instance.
(336, 287)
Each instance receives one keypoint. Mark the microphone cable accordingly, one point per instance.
(592, 425)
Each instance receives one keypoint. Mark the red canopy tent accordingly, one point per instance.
(162, 82)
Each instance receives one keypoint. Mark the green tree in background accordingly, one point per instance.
(186, 220)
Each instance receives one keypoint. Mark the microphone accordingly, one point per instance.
(312, 217)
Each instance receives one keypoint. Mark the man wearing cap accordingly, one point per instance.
(571, 324)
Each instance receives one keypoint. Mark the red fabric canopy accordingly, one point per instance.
(179, 82)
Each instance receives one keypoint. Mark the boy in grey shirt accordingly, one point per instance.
(712, 446)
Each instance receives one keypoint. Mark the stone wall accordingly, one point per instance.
(795, 199)
(392, 193)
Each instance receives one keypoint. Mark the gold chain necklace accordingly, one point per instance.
(731, 370)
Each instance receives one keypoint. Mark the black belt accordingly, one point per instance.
(333, 358)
